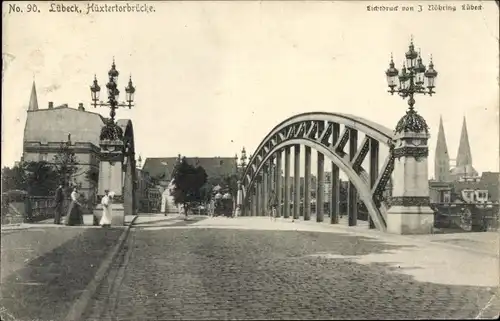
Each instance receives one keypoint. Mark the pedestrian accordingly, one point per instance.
(107, 208)
(211, 207)
(74, 215)
(59, 200)
(273, 203)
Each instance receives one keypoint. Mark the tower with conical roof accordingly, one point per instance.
(464, 156)
(464, 166)
(33, 105)
(441, 158)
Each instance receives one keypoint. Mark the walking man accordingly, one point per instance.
(59, 199)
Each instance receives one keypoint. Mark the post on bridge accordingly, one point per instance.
(286, 203)
(117, 166)
(410, 212)
(265, 186)
(320, 204)
(253, 205)
(296, 182)
(279, 183)
(335, 181)
(239, 201)
(352, 206)
(270, 180)
(374, 170)
(258, 203)
(307, 184)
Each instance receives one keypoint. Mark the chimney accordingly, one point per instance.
(51, 104)
(80, 107)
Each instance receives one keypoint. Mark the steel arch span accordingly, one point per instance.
(321, 131)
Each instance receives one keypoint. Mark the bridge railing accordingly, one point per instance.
(20, 207)
(43, 207)
(451, 215)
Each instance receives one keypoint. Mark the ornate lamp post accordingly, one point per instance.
(410, 212)
(116, 153)
(413, 79)
(111, 131)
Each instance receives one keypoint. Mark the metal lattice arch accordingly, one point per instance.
(321, 131)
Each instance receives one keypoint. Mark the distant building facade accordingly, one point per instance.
(463, 169)
(450, 181)
(46, 129)
(162, 168)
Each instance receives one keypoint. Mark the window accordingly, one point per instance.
(43, 157)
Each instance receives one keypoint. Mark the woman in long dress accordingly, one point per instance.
(107, 209)
(74, 216)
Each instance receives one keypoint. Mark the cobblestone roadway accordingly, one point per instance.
(247, 274)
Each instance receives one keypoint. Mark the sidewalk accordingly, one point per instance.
(480, 242)
(45, 267)
(88, 221)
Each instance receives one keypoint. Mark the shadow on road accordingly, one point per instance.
(47, 286)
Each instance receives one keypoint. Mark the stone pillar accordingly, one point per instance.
(374, 171)
(296, 179)
(128, 184)
(307, 184)
(286, 212)
(265, 192)
(279, 183)
(335, 197)
(410, 212)
(111, 178)
(352, 206)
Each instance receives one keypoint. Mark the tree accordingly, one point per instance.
(206, 192)
(188, 182)
(66, 164)
(92, 175)
(37, 178)
(13, 178)
(231, 182)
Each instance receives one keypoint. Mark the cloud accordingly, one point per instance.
(51, 88)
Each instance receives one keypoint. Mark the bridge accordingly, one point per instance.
(353, 145)
(367, 152)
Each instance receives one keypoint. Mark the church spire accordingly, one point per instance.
(464, 156)
(33, 98)
(441, 146)
(441, 158)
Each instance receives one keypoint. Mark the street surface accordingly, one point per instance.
(45, 268)
(255, 268)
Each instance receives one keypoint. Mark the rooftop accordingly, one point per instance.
(54, 125)
(214, 166)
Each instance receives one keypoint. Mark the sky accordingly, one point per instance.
(212, 77)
